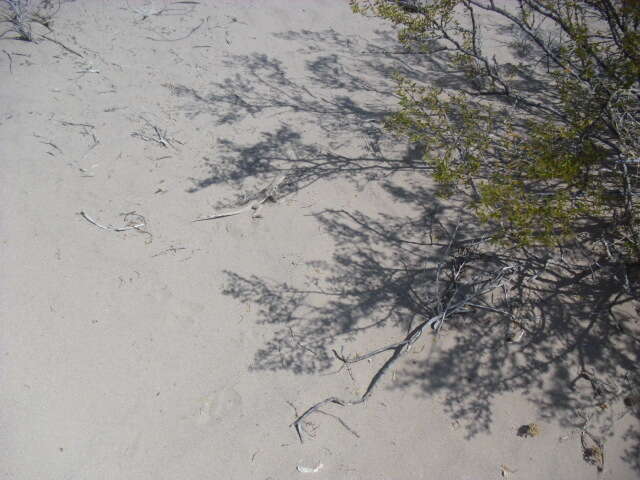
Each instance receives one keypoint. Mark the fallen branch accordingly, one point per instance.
(592, 450)
(130, 225)
(266, 194)
(225, 214)
(160, 136)
(73, 124)
(399, 348)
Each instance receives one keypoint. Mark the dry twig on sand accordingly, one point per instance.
(158, 136)
(73, 124)
(266, 194)
(592, 450)
(59, 43)
(133, 221)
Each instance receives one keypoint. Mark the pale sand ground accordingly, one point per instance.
(122, 359)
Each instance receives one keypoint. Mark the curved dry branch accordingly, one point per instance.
(401, 347)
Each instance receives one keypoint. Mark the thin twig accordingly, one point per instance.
(343, 403)
(222, 215)
(342, 422)
(268, 193)
(160, 136)
(52, 145)
(58, 42)
(73, 124)
(113, 229)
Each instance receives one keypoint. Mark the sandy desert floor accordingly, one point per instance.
(183, 350)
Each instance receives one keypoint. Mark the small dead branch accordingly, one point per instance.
(51, 144)
(592, 450)
(44, 141)
(222, 215)
(171, 249)
(399, 348)
(158, 136)
(73, 124)
(600, 387)
(133, 221)
(94, 143)
(269, 193)
(59, 43)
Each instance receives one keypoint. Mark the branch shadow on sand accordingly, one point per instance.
(568, 342)
(578, 346)
(343, 96)
(338, 99)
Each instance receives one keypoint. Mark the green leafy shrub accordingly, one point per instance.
(544, 134)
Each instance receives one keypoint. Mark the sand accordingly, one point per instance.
(182, 350)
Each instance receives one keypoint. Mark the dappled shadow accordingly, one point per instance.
(382, 270)
(284, 151)
(264, 89)
(338, 99)
(263, 86)
(564, 335)
(566, 339)
(343, 97)
(372, 286)
(575, 356)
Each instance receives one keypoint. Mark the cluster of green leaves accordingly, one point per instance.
(541, 164)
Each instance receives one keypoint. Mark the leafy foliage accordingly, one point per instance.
(543, 131)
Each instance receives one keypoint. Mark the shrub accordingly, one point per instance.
(544, 132)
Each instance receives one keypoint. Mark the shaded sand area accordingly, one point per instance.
(153, 347)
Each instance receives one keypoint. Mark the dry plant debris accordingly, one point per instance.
(132, 220)
(158, 135)
(270, 193)
(592, 450)
(480, 288)
(505, 471)
(529, 430)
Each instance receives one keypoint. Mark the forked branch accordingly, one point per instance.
(401, 347)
